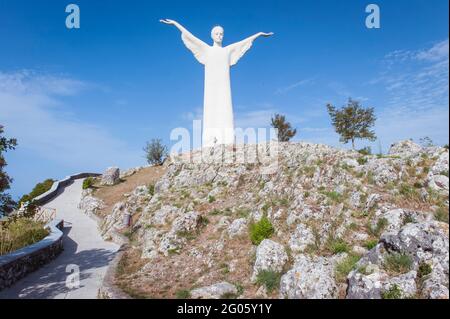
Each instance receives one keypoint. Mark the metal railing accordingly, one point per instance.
(45, 214)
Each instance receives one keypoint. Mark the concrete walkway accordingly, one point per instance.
(83, 247)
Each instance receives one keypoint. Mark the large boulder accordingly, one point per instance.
(270, 256)
(310, 278)
(111, 176)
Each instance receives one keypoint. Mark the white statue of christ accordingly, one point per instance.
(218, 123)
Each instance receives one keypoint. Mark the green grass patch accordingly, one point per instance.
(393, 293)
(269, 279)
(261, 230)
(344, 267)
(398, 263)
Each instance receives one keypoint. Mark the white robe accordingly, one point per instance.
(218, 123)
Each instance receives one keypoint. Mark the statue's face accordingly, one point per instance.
(217, 34)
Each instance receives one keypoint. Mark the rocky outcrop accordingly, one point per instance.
(310, 278)
(325, 207)
(270, 256)
(111, 176)
(414, 260)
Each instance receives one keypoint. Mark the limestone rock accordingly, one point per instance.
(310, 278)
(269, 256)
(111, 176)
(216, 291)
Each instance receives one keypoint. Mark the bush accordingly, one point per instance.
(371, 243)
(88, 182)
(155, 152)
(398, 263)
(365, 151)
(344, 267)
(39, 189)
(269, 279)
(261, 230)
(393, 293)
(424, 270)
(337, 246)
(20, 233)
(151, 189)
(362, 160)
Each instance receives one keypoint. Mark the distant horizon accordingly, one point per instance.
(86, 99)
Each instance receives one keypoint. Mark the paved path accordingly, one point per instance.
(83, 247)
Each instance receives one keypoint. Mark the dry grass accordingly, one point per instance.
(110, 195)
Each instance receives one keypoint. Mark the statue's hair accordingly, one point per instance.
(215, 28)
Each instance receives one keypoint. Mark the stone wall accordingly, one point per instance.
(59, 185)
(18, 264)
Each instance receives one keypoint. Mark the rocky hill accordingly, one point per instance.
(321, 223)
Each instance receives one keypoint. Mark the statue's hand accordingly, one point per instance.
(263, 34)
(168, 21)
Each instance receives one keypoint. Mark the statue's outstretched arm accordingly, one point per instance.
(238, 49)
(195, 45)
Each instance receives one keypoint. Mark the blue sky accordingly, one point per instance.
(83, 100)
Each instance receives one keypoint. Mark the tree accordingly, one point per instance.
(285, 131)
(353, 122)
(155, 152)
(6, 202)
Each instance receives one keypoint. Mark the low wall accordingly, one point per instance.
(58, 185)
(21, 262)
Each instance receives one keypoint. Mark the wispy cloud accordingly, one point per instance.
(290, 87)
(417, 89)
(33, 110)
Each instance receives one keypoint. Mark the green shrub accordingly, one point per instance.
(211, 199)
(344, 267)
(88, 182)
(39, 189)
(20, 233)
(337, 246)
(441, 215)
(151, 189)
(155, 152)
(365, 151)
(393, 293)
(261, 230)
(371, 243)
(362, 160)
(269, 279)
(424, 270)
(398, 263)
(183, 294)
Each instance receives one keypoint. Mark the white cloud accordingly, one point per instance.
(32, 109)
(293, 86)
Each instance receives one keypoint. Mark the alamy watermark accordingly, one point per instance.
(251, 146)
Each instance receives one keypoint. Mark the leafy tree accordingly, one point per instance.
(285, 131)
(155, 152)
(353, 121)
(6, 203)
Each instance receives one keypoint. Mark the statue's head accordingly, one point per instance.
(217, 34)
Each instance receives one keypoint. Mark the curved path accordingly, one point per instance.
(83, 247)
